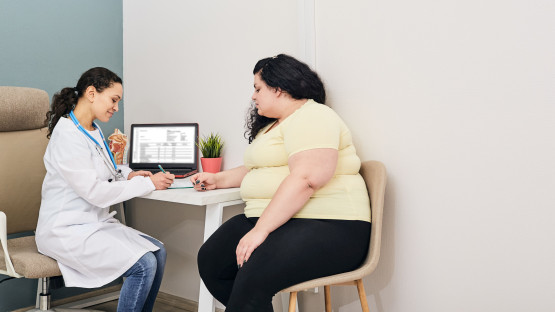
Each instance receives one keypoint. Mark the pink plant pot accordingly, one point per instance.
(212, 165)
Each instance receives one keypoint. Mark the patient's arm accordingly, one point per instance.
(231, 178)
(205, 181)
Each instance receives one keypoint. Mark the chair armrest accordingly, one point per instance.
(10, 271)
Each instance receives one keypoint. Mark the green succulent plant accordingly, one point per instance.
(211, 146)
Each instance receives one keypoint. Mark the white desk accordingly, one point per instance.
(214, 201)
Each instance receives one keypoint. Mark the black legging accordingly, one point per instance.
(299, 250)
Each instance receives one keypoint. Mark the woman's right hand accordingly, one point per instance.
(162, 180)
(204, 181)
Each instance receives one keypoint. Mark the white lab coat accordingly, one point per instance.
(75, 226)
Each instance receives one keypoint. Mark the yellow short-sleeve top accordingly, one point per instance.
(311, 126)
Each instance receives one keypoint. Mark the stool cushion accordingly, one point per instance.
(27, 260)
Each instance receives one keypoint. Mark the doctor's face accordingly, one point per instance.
(106, 102)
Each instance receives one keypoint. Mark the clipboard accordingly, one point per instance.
(181, 183)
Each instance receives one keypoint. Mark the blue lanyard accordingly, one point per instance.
(76, 122)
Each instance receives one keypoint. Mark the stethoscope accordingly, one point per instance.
(110, 163)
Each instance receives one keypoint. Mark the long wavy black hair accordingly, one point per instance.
(290, 75)
(66, 99)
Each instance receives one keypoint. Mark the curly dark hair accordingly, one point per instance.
(289, 75)
(66, 99)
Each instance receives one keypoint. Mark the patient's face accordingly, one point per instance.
(265, 98)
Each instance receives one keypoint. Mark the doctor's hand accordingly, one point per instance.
(162, 180)
(204, 181)
(142, 173)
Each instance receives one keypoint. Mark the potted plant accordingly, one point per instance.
(211, 149)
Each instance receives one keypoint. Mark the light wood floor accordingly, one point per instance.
(158, 307)
(164, 303)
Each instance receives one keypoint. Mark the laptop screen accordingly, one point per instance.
(173, 146)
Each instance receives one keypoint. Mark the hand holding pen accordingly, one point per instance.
(162, 180)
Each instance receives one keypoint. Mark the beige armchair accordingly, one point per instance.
(374, 175)
(22, 144)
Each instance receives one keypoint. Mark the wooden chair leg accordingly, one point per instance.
(292, 301)
(362, 296)
(327, 298)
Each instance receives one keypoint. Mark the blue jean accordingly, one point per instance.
(143, 280)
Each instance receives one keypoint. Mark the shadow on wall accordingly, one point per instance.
(345, 298)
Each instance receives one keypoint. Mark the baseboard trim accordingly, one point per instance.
(88, 302)
(179, 302)
(109, 293)
(97, 296)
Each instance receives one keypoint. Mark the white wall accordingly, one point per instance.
(455, 97)
(192, 61)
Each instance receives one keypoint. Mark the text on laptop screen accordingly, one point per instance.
(164, 144)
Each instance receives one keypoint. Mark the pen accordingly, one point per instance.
(160, 166)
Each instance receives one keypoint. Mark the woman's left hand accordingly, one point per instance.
(143, 173)
(248, 244)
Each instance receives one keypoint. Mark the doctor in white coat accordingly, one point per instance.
(82, 181)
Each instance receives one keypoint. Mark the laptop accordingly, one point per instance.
(172, 145)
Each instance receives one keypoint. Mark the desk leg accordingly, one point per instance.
(213, 220)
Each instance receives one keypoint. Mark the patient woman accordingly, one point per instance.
(82, 181)
(307, 211)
